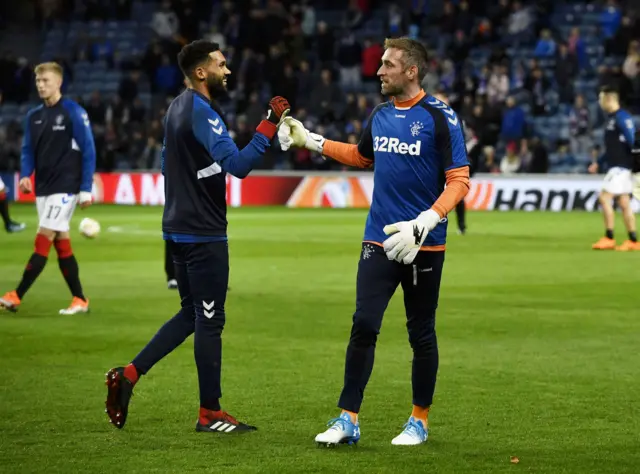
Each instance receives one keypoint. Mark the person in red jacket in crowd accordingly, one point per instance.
(371, 57)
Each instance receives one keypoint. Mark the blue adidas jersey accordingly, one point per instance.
(619, 138)
(58, 146)
(411, 148)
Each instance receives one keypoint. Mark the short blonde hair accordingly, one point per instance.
(414, 53)
(49, 66)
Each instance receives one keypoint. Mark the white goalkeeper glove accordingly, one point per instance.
(293, 133)
(407, 236)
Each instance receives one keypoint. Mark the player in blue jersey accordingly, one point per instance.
(58, 149)
(196, 156)
(416, 145)
(619, 139)
(9, 224)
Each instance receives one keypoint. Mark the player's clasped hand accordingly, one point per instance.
(407, 236)
(279, 108)
(293, 133)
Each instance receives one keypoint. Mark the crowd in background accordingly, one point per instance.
(328, 73)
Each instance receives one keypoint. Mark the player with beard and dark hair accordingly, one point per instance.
(196, 155)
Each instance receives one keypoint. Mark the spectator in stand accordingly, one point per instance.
(498, 87)
(562, 161)
(626, 33)
(518, 77)
(511, 163)
(308, 23)
(487, 163)
(325, 97)
(371, 57)
(349, 61)
(580, 128)
(632, 61)
(431, 78)
(396, 21)
(565, 73)
(610, 19)
(353, 16)
(519, 23)
(465, 19)
(129, 86)
(485, 33)
(165, 22)
(513, 122)
(325, 43)
(447, 24)
(459, 47)
(546, 46)
(97, 111)
(578, 47)
(539, 162)
(538, 85)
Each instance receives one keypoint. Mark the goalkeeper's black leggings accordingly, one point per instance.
(378, 279)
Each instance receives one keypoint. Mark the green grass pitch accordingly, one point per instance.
(539, 352)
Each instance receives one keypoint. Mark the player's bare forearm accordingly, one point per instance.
(457, 188)
(346, 154)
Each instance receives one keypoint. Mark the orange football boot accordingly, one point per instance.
(10, 301)
(628, 246)
(77, 306)
(604, 243)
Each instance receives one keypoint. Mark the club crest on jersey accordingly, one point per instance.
(58, 126)
(415, 128)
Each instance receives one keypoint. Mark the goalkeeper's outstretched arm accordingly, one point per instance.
(346, 153)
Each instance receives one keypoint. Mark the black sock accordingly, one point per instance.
(609, 234)
(33, 269)
(70, 271)
(4, 211)
(633, 237)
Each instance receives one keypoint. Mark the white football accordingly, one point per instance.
(90, 228)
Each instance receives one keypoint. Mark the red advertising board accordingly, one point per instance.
(338, 190)
(147, 189)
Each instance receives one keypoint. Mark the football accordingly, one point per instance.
(90, 228)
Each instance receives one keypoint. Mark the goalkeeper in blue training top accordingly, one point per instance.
(416, 143)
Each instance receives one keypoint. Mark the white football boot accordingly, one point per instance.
(414, 433)
(341, 431)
